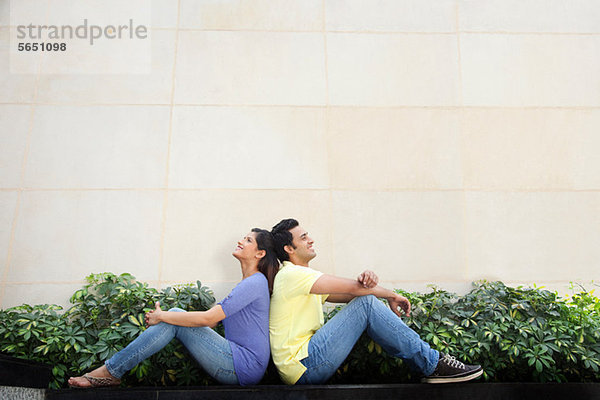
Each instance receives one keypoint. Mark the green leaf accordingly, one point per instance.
(40, 348)
(134, 320)
(378, 348)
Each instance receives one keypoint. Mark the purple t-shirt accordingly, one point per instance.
(247, 327)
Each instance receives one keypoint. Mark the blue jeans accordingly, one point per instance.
(331, 344)
(211, 350)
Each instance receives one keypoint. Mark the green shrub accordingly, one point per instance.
(516, 334)
(106, 315)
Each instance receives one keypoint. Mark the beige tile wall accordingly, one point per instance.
(14, 129)
(203, 227)
(8, 208)
(533, 149)
(4, 13)
(249, 148)
(391, 15)
(530, 70)
(394, 148)
(540, 16)
(242, 67)
(392, 70)
(116, 89)
(98, 147)
(406, 236)
(436, 142)
(61, 233)
(16, 88)
(248, 15)
(533, 236)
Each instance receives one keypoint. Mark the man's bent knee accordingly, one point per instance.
(368, 299)
(175, 309)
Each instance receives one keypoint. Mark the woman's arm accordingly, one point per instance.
(208, 318)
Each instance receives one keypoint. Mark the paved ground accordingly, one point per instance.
(21, 393)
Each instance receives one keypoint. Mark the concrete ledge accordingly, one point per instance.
(487, 391)
(16, 372)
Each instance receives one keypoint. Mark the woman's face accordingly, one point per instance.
(246, 248)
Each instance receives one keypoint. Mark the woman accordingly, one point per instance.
(239, 358)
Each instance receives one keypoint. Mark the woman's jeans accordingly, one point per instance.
(331, 344)
(211, 350)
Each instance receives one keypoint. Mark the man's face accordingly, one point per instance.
(304, 251)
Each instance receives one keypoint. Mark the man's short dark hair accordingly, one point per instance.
(282, 237)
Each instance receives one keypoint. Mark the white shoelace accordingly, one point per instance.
(453, 362)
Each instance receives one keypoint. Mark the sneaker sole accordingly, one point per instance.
(457, 379)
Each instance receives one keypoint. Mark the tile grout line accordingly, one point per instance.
(324, 24)
(331, 232)
(169, 282)
(461, 117)
(383, 32)
(163, 226)
(10, 246)
(224, 105)
(305, 189)
(365, 31)
(20, 190)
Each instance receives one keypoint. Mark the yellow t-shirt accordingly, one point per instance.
(295, 315)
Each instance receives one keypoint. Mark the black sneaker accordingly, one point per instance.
(450, 370)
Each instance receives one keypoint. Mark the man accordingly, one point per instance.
(306, 351)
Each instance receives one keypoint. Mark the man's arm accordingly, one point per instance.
(367, 279)
(339, 298)
(341, 288)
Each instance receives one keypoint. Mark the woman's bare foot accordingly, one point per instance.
(105, 379)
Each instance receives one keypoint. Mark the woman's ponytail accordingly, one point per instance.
(268, 265)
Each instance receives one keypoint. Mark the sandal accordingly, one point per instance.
(96, 382)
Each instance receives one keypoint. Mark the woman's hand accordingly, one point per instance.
(399, 301)
(154, 317)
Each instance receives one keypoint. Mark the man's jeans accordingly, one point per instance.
(211, 350)
(331, 344)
